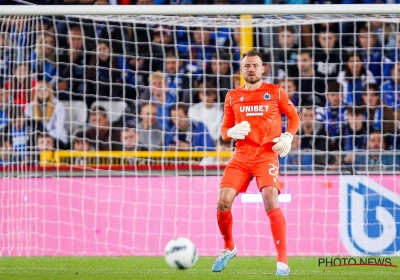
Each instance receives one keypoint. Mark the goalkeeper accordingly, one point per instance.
(252, 116)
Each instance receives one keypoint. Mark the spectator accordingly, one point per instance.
(5, 59)
(220, 74)
(138, 69)
(290, 87)
(201, 52)
(44, 142)
(20, 37)
(285, 55)
(208, 110)
(173, 116)
(82, 144)
(354, 133)
(4, 103)
(141, 38)
(333, 115)
(232, 47)
(21, 85)
(313, 135)
(390, 90)
(95, 29)
(46, 24)
(138, 66)
(49, 112)
(386, 33)
(6, 147)
(101, 135)
(223, 34)
(186, 134)
(354, 78)
(328, 59)
(177, 78)
(73, 84)
(130, 115)
(160, 96)
(129, 140)
(162, 43)
(22, 131)
(372, 55)
(375, 158)
(378, 115)
(114, 32)
(310, 87)
(182, 37)
(111, 72)
(150, 133)
(45, 58)
(395, 52)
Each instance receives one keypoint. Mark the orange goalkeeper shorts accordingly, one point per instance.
(238, 175)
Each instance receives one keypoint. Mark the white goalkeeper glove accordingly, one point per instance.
(239, 131)
(283, 144)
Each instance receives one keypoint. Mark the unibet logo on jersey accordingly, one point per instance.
(254, 110)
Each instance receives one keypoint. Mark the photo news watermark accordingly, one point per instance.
(367, 261)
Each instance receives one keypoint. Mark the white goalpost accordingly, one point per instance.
(91, 177)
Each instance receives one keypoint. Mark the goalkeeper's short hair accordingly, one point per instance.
(252, 53)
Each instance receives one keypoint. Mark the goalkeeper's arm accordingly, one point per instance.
(284, 141)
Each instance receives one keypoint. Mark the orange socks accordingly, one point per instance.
(278, 229)
(225, 222)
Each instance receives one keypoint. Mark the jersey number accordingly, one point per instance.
(274, 171)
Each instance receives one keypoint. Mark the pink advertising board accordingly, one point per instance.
(124, 216)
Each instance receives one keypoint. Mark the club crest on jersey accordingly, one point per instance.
(241, 99)
(267, 96)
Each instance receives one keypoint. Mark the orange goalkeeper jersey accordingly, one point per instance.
(262, 109)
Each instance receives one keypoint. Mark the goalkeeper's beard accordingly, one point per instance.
(252, 81)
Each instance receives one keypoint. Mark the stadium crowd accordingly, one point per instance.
(63, 80)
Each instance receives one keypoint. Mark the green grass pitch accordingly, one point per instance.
(155, 268)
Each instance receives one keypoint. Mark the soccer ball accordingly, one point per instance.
(181, 253)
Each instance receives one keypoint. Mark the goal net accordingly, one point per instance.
(110, 141)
